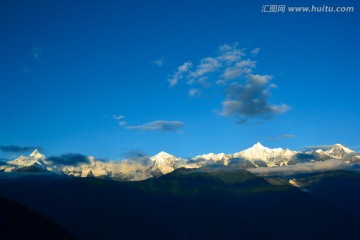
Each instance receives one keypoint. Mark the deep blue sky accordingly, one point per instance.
(66, 69)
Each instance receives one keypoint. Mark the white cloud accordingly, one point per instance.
(159, 125)
(179, 74)
(251, 99)
(132, 169)
(240, 68)
(118, 117)
(247, 93)
(328, 165)
(122, 123)
(281, 137)
(287, 136)
(185, 67)
(316, 147)
(159, 62)
(229, 64)
(230, 53)
(259, 79)
(255, 51)
(207, 65)
(173, 81)
(193, 92)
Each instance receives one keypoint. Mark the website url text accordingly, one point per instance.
(308, 9)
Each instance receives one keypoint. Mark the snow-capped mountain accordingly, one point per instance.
(34, 157)
(259, 152)
(90, 168)
(319, 154)
(163, 163)
(35, 162)
(213, 158)
(257, 155)
(272, 157)
(339, 151)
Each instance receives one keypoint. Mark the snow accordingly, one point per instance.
(345, 149)
(164, 163)
(259, 152)
(338, 151)
(23, 161)
(212, 157)
(37, 155)
(294, 183)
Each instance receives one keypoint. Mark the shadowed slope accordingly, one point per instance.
(19, 222)
(186, 204)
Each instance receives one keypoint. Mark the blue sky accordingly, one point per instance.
(69, 71)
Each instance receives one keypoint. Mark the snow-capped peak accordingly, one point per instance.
(259, 152)
(258, 145)
(36, 154)
(345, 149)
(339, 151)
(162, 156)
(210, 156)
(288, 153)
(318, 151)
(33, 158)
(164, 162)
(213, 157)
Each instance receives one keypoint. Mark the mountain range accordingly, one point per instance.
(211, 196)
(201, 203)
(145, 167)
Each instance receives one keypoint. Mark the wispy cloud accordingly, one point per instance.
(328, 165)
(159, 125)
(135, 168)
(207, 65)
(230, 53)
(255, 51)
(281, 137)
(118, 117)
(247, 94)
(237, 70)
(17, 149)
(159, 62)
(36, 52)
(193, 92)
(179, 74)
(316, 147)
(122, 123)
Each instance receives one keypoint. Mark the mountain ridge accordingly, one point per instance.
(257, 156)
